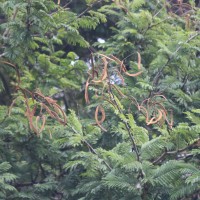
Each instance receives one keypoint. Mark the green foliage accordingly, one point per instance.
(48, 43)
(168, 51)
(6, 179)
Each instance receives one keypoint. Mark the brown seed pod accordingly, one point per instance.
(99, 122)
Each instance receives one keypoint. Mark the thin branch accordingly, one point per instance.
(28, 184)
(163, 7)
(12, 18)
(84, 11)
(152, 25)
(126, 123)
(61, 7)
(94, 152)
(174, 152)
(67, 4)
(160, 158)
(91, 148)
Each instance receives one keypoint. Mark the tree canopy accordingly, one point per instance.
(99, 99)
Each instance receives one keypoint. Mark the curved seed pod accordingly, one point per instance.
(57, 109)
(36, 128)
(36, 123)
(50, 100)
(99, 122)
(60, 111)
(145, 101)
(104, 72)
(118, 90)
(109, 101)
(30, 114)
(106, 57)
(164, 113)
(139, 61)
(54, 114)
(123, 68)
(133, 75)
(154, 120)
(25, 92)
(161, 96)
(143, 109)
(139, 67)
(43, 124)
(86, 91)
(39, 130)
(164, 116)
(160, 116)
(92, 63)
(103, 115)
(134, 102)
(38, 96)
(117, 60)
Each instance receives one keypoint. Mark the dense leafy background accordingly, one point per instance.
(50, 43)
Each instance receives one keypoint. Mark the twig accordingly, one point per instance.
(126, 124)
(160, 158)
(83, 12)
(12, 18)
(152, 25)
(20, 185)
(94, 152)
(174, 152)
(91, 148)
(158, 10)
(67, 4)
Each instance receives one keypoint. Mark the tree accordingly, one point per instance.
(124, 144)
